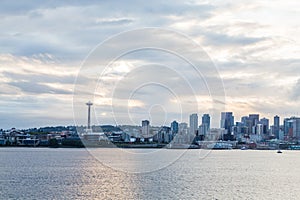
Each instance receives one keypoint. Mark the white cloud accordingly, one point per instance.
(255, 46)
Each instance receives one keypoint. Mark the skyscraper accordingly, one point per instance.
(164, 134)
(206, 121)
(145, 128)
(292, 125)
(246, 124)
(253, 121)
(245, 120)
(227, 121)
(288, 126)
(174, 127)
(265, 122)
(276, 126)
(193, 123)
(296, 128)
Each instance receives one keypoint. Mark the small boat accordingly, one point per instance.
(279, 151)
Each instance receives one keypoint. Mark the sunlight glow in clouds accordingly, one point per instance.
(255, 45)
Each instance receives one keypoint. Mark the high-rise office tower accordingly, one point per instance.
(276, 126)
(193, 123)
(294, 122)
(265, 122)
(145, 128)
(246, 124)
(253, 121)
(296, 128)
(227, 121)
(245, 120)
(174, 127)
(287, 126)
(206, 121)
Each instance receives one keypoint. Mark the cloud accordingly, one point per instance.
(219, 39)
(43, 45)
(114, 21)
(295, 93)
(35, 75)
(41, 78)
(37, 88)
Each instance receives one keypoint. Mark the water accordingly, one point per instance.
(42, 173)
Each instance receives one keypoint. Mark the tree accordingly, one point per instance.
(53, 143)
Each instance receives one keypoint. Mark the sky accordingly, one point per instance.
(54, 55)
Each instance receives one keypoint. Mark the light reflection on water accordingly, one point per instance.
(136, 160)
(27, 173)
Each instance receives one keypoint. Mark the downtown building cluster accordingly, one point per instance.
(257, 129)
(249, 129)
(178, 133)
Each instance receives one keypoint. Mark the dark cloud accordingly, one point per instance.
(114, 21)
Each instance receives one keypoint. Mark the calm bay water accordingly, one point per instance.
(42, 173)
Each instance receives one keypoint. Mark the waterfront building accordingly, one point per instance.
(216, 134)
(15, 137)
(255, 138)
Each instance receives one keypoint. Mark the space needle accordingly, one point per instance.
(89, 104)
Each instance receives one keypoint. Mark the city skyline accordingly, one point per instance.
(195, 122)
(250, 130)
(255, 52)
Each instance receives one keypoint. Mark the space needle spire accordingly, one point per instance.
(89, 104)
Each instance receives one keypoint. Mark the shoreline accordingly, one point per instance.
(138, 147)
